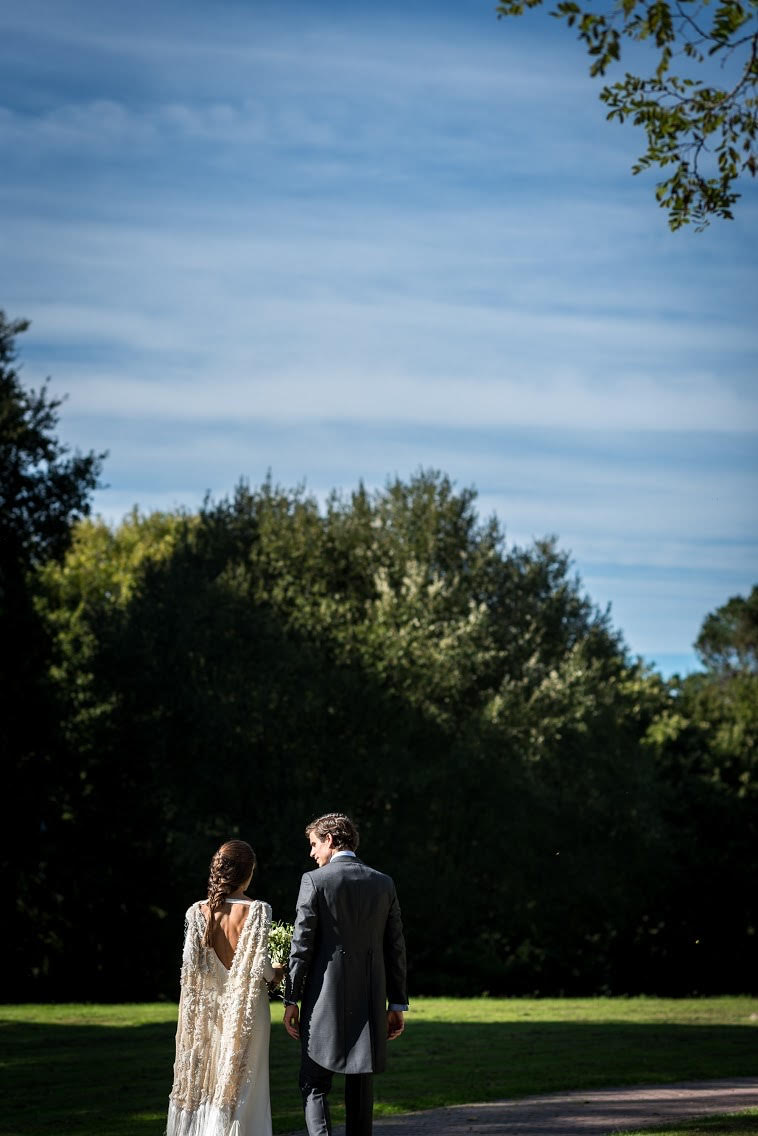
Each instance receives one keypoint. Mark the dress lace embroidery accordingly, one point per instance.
(217, 1019)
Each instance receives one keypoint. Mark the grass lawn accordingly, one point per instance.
(106, 1070)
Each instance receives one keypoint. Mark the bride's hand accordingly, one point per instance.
(279, 972)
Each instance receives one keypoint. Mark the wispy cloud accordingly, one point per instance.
(379, 396)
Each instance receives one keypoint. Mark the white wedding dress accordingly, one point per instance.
(221, 1079)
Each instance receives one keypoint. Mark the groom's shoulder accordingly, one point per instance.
(386, 879)
(345, 868)
(379, 879)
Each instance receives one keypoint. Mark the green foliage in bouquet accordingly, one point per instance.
(280, 941)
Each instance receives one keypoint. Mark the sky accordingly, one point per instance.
(342, 242)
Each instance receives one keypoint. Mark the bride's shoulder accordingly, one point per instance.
(260, 908)
(252, 904)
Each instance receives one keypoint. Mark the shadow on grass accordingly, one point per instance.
(444, 1063)
(96, 1080)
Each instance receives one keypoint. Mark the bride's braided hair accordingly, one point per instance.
(231, 865)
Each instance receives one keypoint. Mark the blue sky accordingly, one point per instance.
(344, 241)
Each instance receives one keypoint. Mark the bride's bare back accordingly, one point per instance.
(227, 928)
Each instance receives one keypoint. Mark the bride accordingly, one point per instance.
(221, 1084)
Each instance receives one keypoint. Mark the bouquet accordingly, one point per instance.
(279, 942)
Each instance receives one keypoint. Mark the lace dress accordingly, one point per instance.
(221, 1082)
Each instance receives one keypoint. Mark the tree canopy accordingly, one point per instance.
(43, 488)
(728, 639)
(700, 124)
(237, 670)
(44, 491)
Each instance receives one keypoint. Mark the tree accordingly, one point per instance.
(266, 658)
(560, 818)
(728, 639)
(704, 133)
(705, 744)
(43, 491)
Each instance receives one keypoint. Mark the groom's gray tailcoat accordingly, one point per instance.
(347, 961)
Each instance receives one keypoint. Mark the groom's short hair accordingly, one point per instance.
(342, 830)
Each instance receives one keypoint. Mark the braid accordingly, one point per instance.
(230, 867)
(218, 890)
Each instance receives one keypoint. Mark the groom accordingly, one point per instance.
(347, 965)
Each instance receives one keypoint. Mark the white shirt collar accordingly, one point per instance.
(343, 852)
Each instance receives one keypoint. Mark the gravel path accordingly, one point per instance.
(578, 1113)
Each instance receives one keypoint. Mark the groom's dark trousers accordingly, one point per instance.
(315, 1083)
(346, 964)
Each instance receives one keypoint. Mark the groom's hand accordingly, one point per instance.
(292, 1021)
(395, 1024)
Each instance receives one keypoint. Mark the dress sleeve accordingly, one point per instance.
(189, 1019)
(262, 955)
